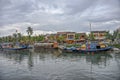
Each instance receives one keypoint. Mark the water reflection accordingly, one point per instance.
(100, 59)
(55, 65)
(30, 60)
(14, 55)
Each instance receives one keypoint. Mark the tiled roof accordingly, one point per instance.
(64, 32)
(99, 31)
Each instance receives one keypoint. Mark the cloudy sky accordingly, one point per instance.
(49, 16)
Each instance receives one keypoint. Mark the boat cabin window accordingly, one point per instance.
(98, 46)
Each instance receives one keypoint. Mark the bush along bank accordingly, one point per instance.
(116, 45)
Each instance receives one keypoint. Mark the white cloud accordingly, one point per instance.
(58, 15)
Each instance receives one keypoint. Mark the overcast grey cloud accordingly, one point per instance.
(47, 16)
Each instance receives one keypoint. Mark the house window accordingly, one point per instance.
(70, 37)
(95, 35)
(101, 35)
(82, 36)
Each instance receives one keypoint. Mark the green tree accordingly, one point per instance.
(10, 38)
(108, 35)
(60, 39)
(51, 37)
(3, 39)
(0, 39)
(14, 37)
(116, 34)
(6, 39)
(77, 36)
(91, 36)
(40, 38)
(19, 36)
(29, 32)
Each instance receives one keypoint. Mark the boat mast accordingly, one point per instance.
(90, 27)
(90, 31)
(16, 37)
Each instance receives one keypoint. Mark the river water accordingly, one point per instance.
(55, 65)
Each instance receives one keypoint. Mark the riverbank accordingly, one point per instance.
(116, 45)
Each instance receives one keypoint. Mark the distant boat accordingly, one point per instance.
(18, 48)
(9, 46)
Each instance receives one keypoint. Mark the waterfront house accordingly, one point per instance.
(61, 34)
(99, 35)
(70, 37)
(50, 37)
(81, 37)
(67, 37)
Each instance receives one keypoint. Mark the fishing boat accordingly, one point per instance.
(10, 46)
(92, 47)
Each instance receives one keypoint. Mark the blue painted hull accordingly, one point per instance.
(19, 47)
(96, 50)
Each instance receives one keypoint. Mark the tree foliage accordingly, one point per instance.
(77, 36)
(108, 35)
(29, 31)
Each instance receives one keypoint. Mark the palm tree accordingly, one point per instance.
(29, 32)
(9, 38)
(14, 37)
(19, 36)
